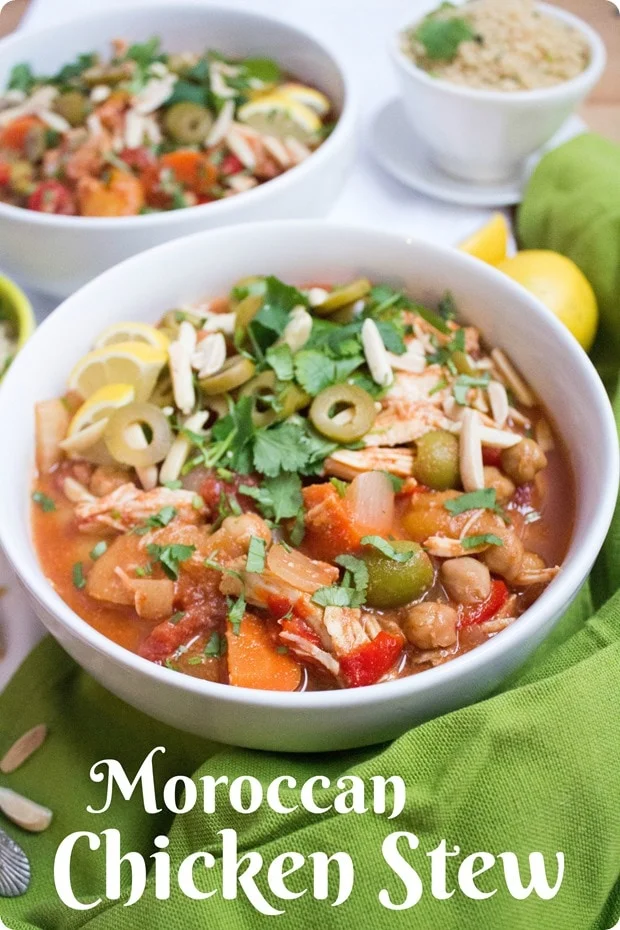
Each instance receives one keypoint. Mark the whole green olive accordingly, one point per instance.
(188, 123)
(436, 463)
(394, 584)
(73, 106)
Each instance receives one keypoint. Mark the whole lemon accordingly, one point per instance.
(561, 286)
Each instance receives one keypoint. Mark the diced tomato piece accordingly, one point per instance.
(231, 165)
(212, 487)
(368, 663)
(330, 527)
(52, 197)
(14, 135)
(478, 613)
(5, 173)
(140, 159)
(492, 456)
(278, 606)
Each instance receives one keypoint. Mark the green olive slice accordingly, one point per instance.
(341, 296)
(73, 106)
(143, 415)
(325, 407)
(261, 390)
(188, 123)
(247, 310)
(292, 399)
(235, 372)
(462, 363)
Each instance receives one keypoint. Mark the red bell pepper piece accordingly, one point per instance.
(231, 165)
(368, 663)
(52, 197)
(478, 613)
(492, 456)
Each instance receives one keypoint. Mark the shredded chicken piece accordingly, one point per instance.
(127, 507)
(402, 422)
(528, 577)
(348, 463)
(305, 649)
(345, 628)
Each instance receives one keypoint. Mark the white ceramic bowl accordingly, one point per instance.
(147, 285)
(487, 135)
(58, 254)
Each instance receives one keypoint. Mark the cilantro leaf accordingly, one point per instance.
(463, 383)
(236, 611)
(447, 307)
(279, 449)
(271, 319)
(441, 37)
(279, 498)
(299, 529)
(315, 371)
(396, 482)
(255, 561)
(280, 358)
(485, 499)
(21, 78)
(46, 503)
(392, 336)
(216, 647)
(156, 520)
(145, 53)
(484, 539)
(432, 318)
(334, 596)
(170, 557)
(359, 572)
(75, 68)
(262, 69)
(387, 549)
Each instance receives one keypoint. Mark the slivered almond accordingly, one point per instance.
(513, 379)
(297, 150)
(180, 355)
(277, 150)
(222, 124)
(23, 748)
(219, 322)
(376, 354)
(413, 360)
(297, 330)
(239, 183)
(75, 492)
(470, 451)
(317, 296)
(25, 813)
(544, 436)
(500, 439)
(499, 402)
(239, 146)
(179, 450)
(209, 355)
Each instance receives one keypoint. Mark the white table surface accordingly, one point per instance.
(359, 31)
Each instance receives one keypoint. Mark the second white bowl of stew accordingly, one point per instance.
(333, 484)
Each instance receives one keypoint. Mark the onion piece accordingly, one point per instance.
(371, 497)
(299, 571)
(51, 425)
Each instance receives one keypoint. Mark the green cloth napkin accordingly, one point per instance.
(572, 206)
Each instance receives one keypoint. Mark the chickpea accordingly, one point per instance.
(505, 560)
(431, 625)
(532, 562)
(523, 461)
(107, 478)
(466, 580)
(504, 487)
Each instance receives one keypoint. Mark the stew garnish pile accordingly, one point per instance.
(299, 488)
(148, 131)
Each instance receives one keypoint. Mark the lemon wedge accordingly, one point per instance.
(133, 363)
(490, 242)
(308, 96)
(132, 332)
(279, 115)
(101, 405)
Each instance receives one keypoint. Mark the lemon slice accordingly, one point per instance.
(490, 242)
(133, 363)
(100, 405)
(133, 332)
(308, 96)
(279, 115)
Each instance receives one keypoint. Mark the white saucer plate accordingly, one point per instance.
(400, 152)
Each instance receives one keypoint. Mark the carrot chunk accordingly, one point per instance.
(15, 134)
(193, 169)
(254, 660)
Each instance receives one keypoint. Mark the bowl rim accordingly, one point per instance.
(553, 600)
(220, 208)
(581, 82)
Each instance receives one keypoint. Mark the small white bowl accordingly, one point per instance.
(487, 135)
(58, 254)
(146, 286)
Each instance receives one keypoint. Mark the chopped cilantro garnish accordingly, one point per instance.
(341, 486)
(441, 384)
(334, 596)
(279, 449)
(315, 371)
(463, 383)
(256, 555)
(280, 358)
(97, 551)
(216, 647)
(173, 485)
(532, 516)
(156, 520)
(282, 650)
(484, 539)
(78, 576)
(178, 615)
(45, 503)
(484, 499)
(197, 502)
(21, 78)
(447, 307)
(432, 318)
(236, 610)
(441, 37)
(143, 570)
(170, 557)
(386, 548)
(356, 571)
(299, 529)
